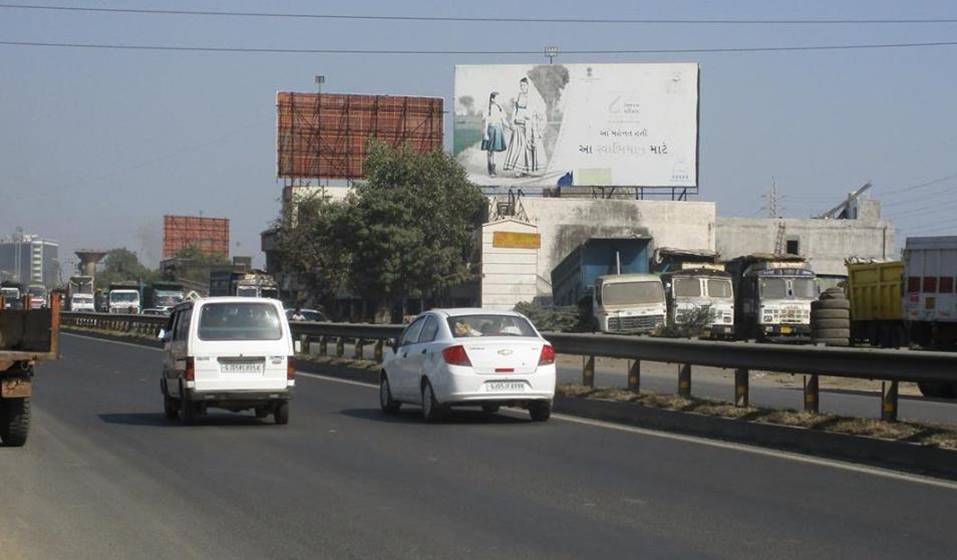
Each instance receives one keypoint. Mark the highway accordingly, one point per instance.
(105, 476)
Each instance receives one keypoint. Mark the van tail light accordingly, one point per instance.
(290, 368)
(190, 373)
(456, 356)
(547, 357)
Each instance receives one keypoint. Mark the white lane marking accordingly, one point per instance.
(786, 455)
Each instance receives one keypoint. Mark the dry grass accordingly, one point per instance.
(911, 432)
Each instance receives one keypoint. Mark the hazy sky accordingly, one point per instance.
(96, 145)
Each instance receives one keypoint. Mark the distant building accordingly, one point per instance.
(30, 259)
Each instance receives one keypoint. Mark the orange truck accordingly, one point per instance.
(27, 336)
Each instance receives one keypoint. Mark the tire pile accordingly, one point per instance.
(831, 319)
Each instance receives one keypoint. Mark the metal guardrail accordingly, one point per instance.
(889, 366)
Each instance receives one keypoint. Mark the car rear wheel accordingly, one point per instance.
(281, 413)
(432, 411)
(386, 402)
(540, 411)
(170, 407)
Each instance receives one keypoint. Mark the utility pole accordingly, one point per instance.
(772, 201)
(551, 53)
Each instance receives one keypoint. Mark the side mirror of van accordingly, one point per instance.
(163, 335)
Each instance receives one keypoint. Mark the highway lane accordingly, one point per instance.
(104, 475)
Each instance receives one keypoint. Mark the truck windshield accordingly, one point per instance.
(804, 288)
(168, 299)
(628, 293)
(239, 321)
(124, 297)
(774, 288)
(779, 288)
(687, 287)
(10, 293)
(719, 288)
(83, 298)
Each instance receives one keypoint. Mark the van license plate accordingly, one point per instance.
(247, 367)
(505, 387)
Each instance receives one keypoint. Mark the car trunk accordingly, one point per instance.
(503, 355)
(230, 365)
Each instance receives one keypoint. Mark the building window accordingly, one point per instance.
(793, 247)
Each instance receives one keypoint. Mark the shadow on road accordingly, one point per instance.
(412, 415)
(159, 420)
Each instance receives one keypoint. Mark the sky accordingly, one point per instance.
(97, 145)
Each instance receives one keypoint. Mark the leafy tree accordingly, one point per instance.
(122, 265)
(314, 246)
(412, 225)
(200, 264)
(468, 102)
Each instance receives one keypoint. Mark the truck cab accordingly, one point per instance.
(701, 287)
(773, 297)
(628, 303)
(38, 296)
(10, 292)
(82, 303)
(124, 299)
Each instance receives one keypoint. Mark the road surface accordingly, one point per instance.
(105, 476)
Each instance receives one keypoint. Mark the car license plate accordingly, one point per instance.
(242, 367)
(505, 387)
(785, 329)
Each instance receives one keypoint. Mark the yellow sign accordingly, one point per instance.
(516, 240)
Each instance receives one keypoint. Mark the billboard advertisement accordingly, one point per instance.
(325, 135)
(209, 235)
(550, 125)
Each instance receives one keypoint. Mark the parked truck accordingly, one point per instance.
(609, 280)
(10, 293)
(124, 298)
(38, 295)
(696, 283)
(27, 336)
(162, 296)
(253, 283)
(80, 294)
(772, 297)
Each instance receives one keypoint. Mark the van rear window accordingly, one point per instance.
(239, 321)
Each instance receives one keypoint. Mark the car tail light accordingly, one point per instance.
(190, 373)
(290, 368)
(547, 356)
(456, 356)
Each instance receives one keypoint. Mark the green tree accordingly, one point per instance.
(412, 225)
(199, 265)
(122, 265)
(314, 246)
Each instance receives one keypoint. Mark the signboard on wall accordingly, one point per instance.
(553, 125)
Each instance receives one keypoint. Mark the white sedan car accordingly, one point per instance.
(469, 357)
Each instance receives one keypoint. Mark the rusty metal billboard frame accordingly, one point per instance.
(326, 135)
(209, 235)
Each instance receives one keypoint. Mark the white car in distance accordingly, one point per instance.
(469, 357)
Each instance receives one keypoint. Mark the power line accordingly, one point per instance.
(268, 50)
(918, 186)
(446, 19)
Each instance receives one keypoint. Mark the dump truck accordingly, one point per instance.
(10, 293)
(162, 295)
(874, 292)
(772, 297)
(254, 283)
(80, 294)
(609, 280)
(27, 336)
(694, 283)
(124, 298)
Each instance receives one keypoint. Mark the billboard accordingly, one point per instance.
(578, 124)
(325, 135)
(209, 235)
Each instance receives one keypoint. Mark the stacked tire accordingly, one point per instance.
(831, 319)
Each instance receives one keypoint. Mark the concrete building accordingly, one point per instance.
(510, 251)
(30, 259)
(826, 243)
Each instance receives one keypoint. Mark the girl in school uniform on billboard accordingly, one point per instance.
(494, 138)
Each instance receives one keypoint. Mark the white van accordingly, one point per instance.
(234, 353)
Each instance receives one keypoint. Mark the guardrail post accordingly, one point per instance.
(340, 347)
(588, 372)
(889, 401)
(812, 401)
(634, 376)
(684, 380)
(359, 348)
(741, 387)
(323, 345)
(304, 344)
(377, 352)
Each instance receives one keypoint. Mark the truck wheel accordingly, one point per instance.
(830, 304)
(170, 407)
(282, 413)
(15, 421)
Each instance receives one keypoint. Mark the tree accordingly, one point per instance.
(468, 102)
(122, 265)
(199, 265)
(314, 246)
(412, 225)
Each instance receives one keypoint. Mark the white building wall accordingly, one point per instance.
(508, 273)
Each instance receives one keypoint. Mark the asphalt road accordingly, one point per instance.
(105, 476)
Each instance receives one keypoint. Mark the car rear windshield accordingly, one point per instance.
(239, 321)
(628, 293)
(465, 326)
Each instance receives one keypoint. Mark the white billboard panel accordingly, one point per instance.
(552, 125)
